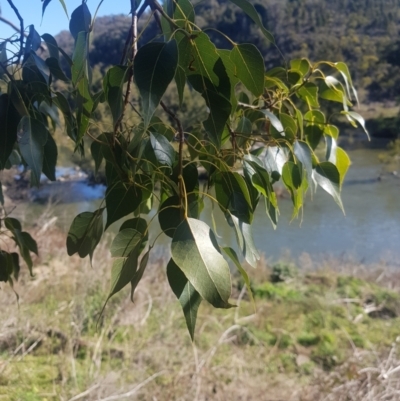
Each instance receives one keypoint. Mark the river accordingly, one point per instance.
(369, 232)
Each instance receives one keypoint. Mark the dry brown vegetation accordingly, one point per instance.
(322, 333)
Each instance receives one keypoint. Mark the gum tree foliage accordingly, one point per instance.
(262, 127)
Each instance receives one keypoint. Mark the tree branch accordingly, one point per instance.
(21, 21)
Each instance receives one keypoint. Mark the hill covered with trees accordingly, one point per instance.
(363, 33)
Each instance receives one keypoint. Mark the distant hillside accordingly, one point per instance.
(363, 33)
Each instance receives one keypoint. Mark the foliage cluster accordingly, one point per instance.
(260, 127)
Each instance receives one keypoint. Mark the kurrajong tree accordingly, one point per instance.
(262, 127)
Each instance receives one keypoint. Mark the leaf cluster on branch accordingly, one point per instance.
(262, 126)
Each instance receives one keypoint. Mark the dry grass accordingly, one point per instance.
(54, 348)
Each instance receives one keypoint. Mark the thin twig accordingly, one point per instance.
(21, 21)
(134, 390)
(85, 393)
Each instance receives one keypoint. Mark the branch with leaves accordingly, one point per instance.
(262, 127)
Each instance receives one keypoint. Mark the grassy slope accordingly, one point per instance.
(312, 333)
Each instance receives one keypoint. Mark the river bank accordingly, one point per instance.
(318, 331)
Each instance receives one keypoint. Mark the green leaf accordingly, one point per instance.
(275, 122)
(249, 67)
(170, 215)
(9, 119)
(187, 295)
(243, 131)
(181, 11)
(139, 273)
(343, 69)
(332, 131)
(233, 256)
(301, 65)
(291, 175)
(80, 64)
(163, 150)
(125, 242)
(351, 115)
(303, 154)
(232, 194)
(309, 93)
(84, 107)
(139, 224)
(154, 68)
(113, 89)
(121, 200)
(313, 134)
(244, 238)
(85, 233)
(122, 272)
(52, 45)
(327, 176)
(32, 136)
(342, 163)
(289, 127)
(28, 242)
(55, 69)
(97, 155)
(249, 9)
(196, 252)
(275, 158)
(80, 21)
(50, 154)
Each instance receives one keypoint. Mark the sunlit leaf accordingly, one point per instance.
(196, 252)
(154, 68)
(187, 295)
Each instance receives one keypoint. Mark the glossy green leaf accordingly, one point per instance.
(50, 154)
(342, 163)
(275, 122)
(139, 273)
(154, 68)
(32, 137)
(80, 21)
(249, 67)
(351, 115)
(163, 150)
(113, 89)
(314, 134)
(291, 175)
(196, 252)
(85, 233)
(332, 131)
(187, 295)
(303, 154)
(139, 224)
(275, 158)
(232, 194)
(52, 46)
(80, 66)
(122, 272)
(327, 176)
(344, 70)
(234, 258)
(249, 9)
(245, 241)
(301, 65)
(121, 200)
(97, 155)
(125, 242)
(170, 215)
(309, 93)
(84, 104)
(243, 131)
(9, 119)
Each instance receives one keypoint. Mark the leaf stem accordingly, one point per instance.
(21, 22)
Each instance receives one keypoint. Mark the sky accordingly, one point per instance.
(54, 19)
